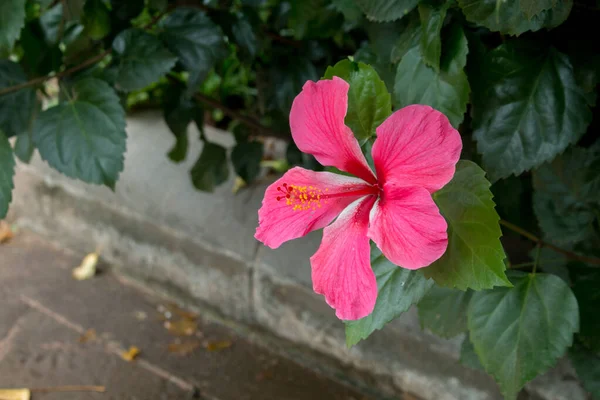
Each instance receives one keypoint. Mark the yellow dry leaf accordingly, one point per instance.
(88, 336)
(15, 394)
(130, 354)
(182, 327)
(6, 233)
(184, 348)
(218, 345)
(87, 269)
(238, 184)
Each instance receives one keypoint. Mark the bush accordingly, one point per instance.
(517, 78)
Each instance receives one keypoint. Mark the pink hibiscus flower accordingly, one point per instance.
(415, 154)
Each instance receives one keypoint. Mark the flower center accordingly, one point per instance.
(303, 198)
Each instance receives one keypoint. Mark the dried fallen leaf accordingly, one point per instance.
(218, 345)
(15, 394)
(182, 327)
(88, 336)
(140, 315)
(184, 348)
(238, 184)
(87, 269)
(130, 354)
(6, 232)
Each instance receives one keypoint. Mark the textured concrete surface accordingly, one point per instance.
(199, 248)
(45, 312)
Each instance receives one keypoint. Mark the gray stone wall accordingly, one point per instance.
(157, 228)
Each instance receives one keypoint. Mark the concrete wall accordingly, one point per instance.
(157, 228)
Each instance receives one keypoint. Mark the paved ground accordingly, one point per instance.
(56, 331)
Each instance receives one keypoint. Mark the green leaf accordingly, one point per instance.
(314, 19)
(244, 35)
(142, 59)
(84, 138)
(39, 57)
(468, 357)
(12, 19)
(369, 102)
(398, 289)
(24, 147)
(73, 9)
(521, 332)
(348, 8)
(530, 8)
(158, 5)
(286, 80)
(444, 311)
(585, 287)
(7, 171)
(409, 37)
(565, 191)
(474, 258)
(246, 158)
(386, 10)
(179, 111)
(195, 39)
(211, 169)
(446, 91)
(508, 17)
(530, 110)
(432, 15)
(16, 108)
(96, 19)
(587, 366)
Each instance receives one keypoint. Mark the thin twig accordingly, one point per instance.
(97, 389)
(83, 65)
(541, 243)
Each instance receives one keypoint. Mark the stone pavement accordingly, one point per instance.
(56, 331)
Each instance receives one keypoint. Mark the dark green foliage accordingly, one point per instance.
(517, 78)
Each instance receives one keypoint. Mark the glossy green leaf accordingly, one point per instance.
(475, 257)
(142, 59)
(286, 80)
(409, 36)
(211, 169)
(195, 39)
(529, 110)
(432, 15)
(179, 110)
(444, 311)
(468, 357)
(521, 332)
(84, 137)
(508, 16)
(12, 19)
(397, 290)
(369, 102)
(16, 108)
(587, 366)
(246, 158)
(565, 193)
(446, 91)
(386, 10)
(7, 171)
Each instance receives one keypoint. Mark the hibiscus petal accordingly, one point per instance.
(302, 201)
(341, 268)
(407, 226)
(317, 124)
(417, 146)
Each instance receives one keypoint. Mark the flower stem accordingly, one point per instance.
(541, 243)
